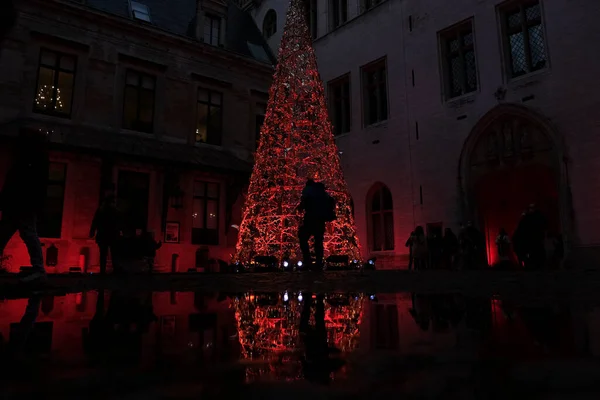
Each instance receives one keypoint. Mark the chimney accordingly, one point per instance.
(199, 20)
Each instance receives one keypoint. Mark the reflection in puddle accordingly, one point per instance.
(296, 332)
(352, 342)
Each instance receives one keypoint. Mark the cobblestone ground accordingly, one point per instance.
(531, 284)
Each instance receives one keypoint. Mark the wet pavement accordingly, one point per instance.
(581, 283)
(178, 344)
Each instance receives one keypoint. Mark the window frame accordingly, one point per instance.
(212, 18)
(198, 233)
(333, 100)
(140, 90)
(56, 68)
(504, 11)
(63, 185)
(271, 13)
(338, 17)
(378, 189)
(209, 104)
(366, 106)
(457, 31)
(311, 15)
(133, 4)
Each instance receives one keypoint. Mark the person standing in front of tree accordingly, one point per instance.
(318, 207)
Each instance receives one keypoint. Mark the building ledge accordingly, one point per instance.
(100, 141)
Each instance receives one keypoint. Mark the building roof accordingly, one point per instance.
(242, 36)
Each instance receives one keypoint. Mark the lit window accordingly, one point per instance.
(140, 11)
(205, 213)
(458, 59)
(56, 79)
(524, 38)
(209, 125)
(212, 30)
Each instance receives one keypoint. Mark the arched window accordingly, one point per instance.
(270, 24)
(381, 218)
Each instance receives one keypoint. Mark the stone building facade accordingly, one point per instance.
(455, 111)
(155, 103)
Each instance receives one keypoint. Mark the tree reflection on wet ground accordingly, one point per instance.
(296, 344)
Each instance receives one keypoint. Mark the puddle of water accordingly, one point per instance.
(351, 345)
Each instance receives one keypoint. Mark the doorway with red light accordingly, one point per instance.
(510, 162)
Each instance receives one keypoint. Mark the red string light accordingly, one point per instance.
(268, 329)
(296, 143)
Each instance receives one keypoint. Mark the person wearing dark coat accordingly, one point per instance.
(106, 229)
(450, 249)
(314, 202)
(22, 198)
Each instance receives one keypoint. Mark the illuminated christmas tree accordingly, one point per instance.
(296, 143)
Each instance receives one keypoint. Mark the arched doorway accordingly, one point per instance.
(512, 159)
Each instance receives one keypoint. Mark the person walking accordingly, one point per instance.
(22, 199)
(106, 230)
(420, 252)
(409, 244)
(318, 208)
(503, 247)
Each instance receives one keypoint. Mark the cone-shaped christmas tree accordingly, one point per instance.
(296, 143)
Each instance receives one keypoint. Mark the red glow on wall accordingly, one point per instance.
(296, 143)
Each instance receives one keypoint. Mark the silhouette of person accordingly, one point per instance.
(529, 238)
(537, 226)
(128, 317)
(317, 363)
(409, 244)
(25, 326)
(476, 246)
(520, 245)
(420, 251)
(95, 339)
(503, 246)
(435, 245)
(450, 248)
(22, 199)
(150, 246)
(314, 203)
(106, 229)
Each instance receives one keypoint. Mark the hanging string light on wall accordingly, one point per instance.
(46, 96)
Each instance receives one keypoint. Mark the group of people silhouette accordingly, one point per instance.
(108, 230)
(450, 251)
(531, 246)
(24, 191)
